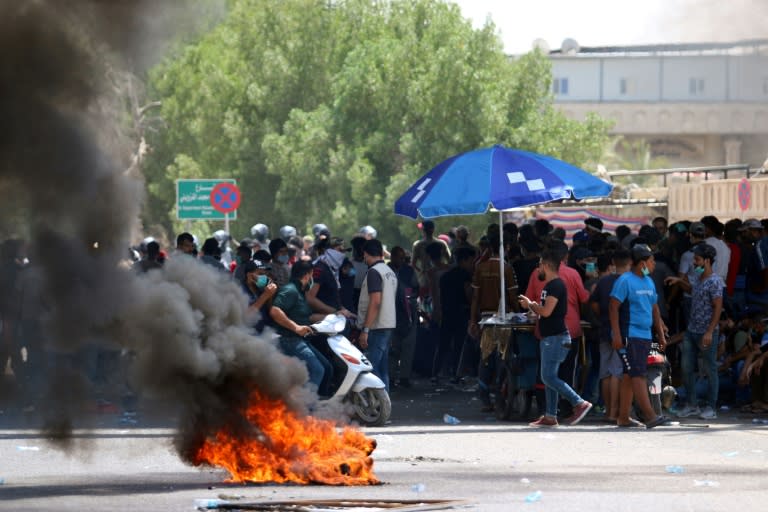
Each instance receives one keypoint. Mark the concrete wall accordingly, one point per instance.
(691, 201)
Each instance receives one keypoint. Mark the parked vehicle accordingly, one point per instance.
(353, 379)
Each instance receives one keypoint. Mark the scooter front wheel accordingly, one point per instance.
(371, 406)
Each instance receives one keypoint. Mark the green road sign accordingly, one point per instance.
(193, 200)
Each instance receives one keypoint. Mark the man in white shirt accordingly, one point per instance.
(714, 229)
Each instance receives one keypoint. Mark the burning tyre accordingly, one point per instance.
(371, 406)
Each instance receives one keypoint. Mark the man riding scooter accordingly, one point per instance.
(293, 317)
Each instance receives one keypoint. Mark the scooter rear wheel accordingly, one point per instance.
(372, 406)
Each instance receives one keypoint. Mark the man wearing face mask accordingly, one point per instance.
(293, 317)
(260, 291)
(702, 336)
(281, 272)
(635, 293)
(324, 295)
(555, 341)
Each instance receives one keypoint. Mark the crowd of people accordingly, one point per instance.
(698, 290)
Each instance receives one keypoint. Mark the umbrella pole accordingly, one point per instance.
(503, 301)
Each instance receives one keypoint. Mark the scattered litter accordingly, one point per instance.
(674, 469)
(725, 408)
(759, 421)
(706, 483)
(672, 423)
(208, 503)
(231, 496)
(451, 420)
(757, 451)
(533, 497)
(525, 481)
(440, 390)
(418, 488)
(28, 448)
(547, 436)
(730, 454)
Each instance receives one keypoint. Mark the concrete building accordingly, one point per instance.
(695, 104)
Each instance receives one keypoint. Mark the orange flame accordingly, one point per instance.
(289, 448)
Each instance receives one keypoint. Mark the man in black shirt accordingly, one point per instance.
(455, 301)
(555, 341)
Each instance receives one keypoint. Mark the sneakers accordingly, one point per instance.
(579, 412)
(708, 413)
(544, 421)
(688, 411)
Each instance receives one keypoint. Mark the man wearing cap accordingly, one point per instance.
(293, 317)
(260, 290)
(323, 296)
(702, 335)
(635, 292)
(757, 263)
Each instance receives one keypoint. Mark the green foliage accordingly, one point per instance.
(633, 155)
(327, 111)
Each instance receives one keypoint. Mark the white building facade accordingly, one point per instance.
(695, 104)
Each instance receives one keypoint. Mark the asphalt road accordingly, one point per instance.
(491, 465)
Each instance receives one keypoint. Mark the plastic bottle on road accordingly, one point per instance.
(533, 497)
(450, 420)
(206, 503)
(674, 469)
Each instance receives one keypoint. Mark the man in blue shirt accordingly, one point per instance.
(636, 293)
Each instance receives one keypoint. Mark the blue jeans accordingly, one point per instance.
(378, 353)
(691, 350)
(554, 350)
(317, 365)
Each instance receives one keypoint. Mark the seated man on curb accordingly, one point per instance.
(635, 291)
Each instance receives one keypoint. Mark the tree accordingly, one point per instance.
(327, 111)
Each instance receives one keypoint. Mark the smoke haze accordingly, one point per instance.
(184, 326)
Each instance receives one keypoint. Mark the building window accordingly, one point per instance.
(560, 86)
(696, 86)
(626, 86)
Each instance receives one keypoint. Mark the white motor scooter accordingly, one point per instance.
(354, 381)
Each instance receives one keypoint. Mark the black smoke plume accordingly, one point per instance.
(61, 179)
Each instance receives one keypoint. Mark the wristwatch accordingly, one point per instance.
(366, 330)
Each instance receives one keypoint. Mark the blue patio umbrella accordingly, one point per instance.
(472, 182)
(498, 177)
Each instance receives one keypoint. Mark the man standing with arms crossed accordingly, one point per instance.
(636, 293)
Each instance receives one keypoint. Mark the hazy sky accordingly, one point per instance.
(618, 22)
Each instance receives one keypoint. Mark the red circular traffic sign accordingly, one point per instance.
(225, 197)
(745, 194)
